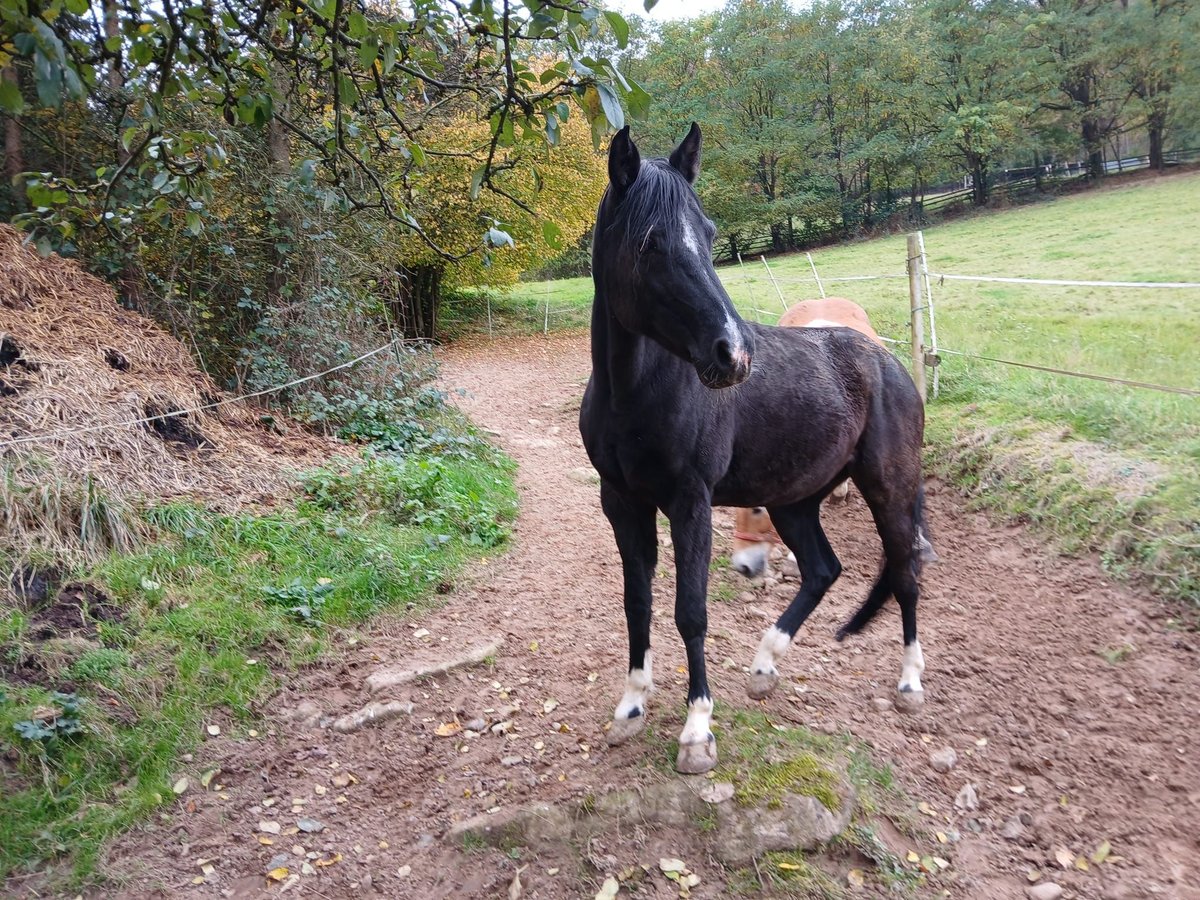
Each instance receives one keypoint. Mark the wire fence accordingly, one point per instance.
(925, 306)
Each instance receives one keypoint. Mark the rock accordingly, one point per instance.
(881, 704)
(746, 597)
(910, 701)
(279, 861)
(475, 725)
(584, 475)
(1013, 830)
(1047, 890)
(512, 761)
(390, 678)
(943, 760)
(788, 568)
(310, 826)
(967, 798)
(717, 792)
(372, 714)
(306, 714)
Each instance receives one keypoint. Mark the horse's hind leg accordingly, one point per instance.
(637, 540)
(800, 528)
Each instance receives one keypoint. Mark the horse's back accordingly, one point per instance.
(829, 312)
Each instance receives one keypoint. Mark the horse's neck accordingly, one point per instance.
(621, 360)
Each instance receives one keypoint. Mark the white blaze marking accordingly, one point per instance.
(914, 665)
(774, 644)
(689, 238)
(823, 323)
(698, 727)
(638, 685)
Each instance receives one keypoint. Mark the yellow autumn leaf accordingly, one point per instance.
(278, 874)
(1081, 863)
(788, 867)
(912, 857)
(856, 877)
(446, 729)
(1101, 853)
(336, 858)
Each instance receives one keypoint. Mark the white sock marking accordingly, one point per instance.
(914, 665)
(638, 685)
(774, 644)
(698, 726)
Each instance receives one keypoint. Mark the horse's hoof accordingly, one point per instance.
(697, 758)
(910, 701)
(624, 729)
(762, 684)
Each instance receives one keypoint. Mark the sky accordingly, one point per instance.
(666, 9)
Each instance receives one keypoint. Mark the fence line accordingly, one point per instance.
(1111, 379)
(54, 435)
(1067, 282)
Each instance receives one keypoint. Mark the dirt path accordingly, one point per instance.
(1072, 706)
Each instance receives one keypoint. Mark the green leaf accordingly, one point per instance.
(195, 224)
(78, 7)
(638, 101)
(368, 52)
(552, 235)
(612, 106)
(649, 4)
(11, 100)
(477, 181)
(619, 26)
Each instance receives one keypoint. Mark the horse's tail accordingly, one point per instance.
(923, 552)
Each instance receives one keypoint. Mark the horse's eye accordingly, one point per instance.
(759, 510)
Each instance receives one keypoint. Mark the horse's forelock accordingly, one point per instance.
(655, 202)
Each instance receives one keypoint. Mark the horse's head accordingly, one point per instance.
(753, 534)
(652, 262)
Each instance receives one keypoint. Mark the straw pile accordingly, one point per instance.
(70, 357)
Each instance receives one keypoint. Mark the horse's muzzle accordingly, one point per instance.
(730, 364)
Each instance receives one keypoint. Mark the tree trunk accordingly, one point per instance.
(279, 153)
(1093, 144)
(1156, 126)
(418, 299)
(14, 157)
(776, 237)
(979, 182)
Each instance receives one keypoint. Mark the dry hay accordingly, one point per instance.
(70, 357)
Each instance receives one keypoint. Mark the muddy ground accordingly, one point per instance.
(1070, 701)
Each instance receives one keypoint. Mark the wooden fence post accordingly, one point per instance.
(915, 314)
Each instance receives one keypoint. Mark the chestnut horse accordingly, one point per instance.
(753, 533)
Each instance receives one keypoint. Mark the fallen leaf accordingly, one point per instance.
(199, 879)
(269, 827)
(446, 729)
(533, 646)
(912, 857)
(341, 779)
(941, 836)
(208, 868)
(265, 841)
(1065, 857)
(691, 881)
(609, 889)
(1101, 853)
(1081, 863)
(787, 867)
(181, 785)
(278, 874)
(207, 777)
(856, 877)
(514, 887)
(213, 730)
(669, 864)
(941, 863)
(337, 858)
(926, 808)
(549, 706)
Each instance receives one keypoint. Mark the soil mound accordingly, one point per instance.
(72, 359)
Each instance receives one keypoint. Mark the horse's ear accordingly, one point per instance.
(623, 160)
(686, 158)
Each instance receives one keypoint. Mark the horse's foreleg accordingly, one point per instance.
(637, 540)
(691, 533)
(800, 528)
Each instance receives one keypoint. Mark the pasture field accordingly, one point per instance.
(1105, 467)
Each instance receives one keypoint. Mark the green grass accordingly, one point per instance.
(216, 612)
(1100, 466)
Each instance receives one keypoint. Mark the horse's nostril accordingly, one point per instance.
(723, 353)
(743, 569)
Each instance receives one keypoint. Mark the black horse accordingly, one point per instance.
(688, 407)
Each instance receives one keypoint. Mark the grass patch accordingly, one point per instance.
(1100, 467)
(212, 615)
